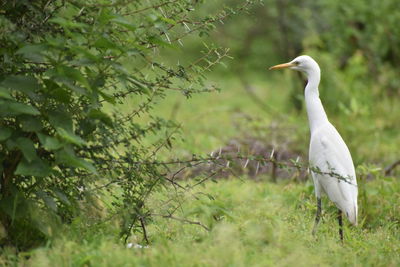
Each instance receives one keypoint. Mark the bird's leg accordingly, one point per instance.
(340, 220)
(317, 215)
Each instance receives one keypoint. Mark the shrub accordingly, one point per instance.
(67, 69)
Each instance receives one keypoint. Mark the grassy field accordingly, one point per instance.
(251, 223)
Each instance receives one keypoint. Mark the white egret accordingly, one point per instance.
(331, 164)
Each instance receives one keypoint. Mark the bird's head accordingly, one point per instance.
(301, 63)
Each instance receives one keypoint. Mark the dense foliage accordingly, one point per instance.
(360, 39)
(66, 69)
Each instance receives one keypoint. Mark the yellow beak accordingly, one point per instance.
(282, 66)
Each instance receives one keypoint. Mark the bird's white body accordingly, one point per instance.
(328, 152)
(331, 164)
(330, 155)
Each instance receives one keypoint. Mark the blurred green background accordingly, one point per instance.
(357, 46)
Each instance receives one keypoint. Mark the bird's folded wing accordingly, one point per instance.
(330, 155)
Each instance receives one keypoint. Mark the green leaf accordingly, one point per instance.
(12, 108)
(107, 97)
(68, 23)
(11, 144)
(105, 43)
(71, 78)
(105, 16)
(140, 85)
(30, 123)
(27, 147)
(60, 119)
(74, 75)
(35, 168)
(55, 91)
(70, 84)
(103, 117)
(62, 122)
(62, 95)
(21, 108)
(5, 133)
(70, 137)
(87, 127)
(15, 205)
(160, 42)
(61, 196)
(68, 157)
(4, 93)
(48, 142)
(169, 21)
(87, 55)
(32, 52)
(25, 84)
(124, 23)
(48, 200)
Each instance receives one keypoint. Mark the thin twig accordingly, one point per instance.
(144, 230)
(391, 167)
(170, 216)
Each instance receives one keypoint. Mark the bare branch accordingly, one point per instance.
(391, 167)
(170, 216)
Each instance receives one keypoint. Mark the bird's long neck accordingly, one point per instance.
(315, 110)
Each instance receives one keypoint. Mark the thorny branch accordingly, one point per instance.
(222, 161)
(257, 158)
(195, 161)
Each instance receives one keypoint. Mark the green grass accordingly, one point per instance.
(252, 224)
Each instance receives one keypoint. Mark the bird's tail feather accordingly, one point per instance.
(352, 213)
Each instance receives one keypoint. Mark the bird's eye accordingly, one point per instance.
(296, 63)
